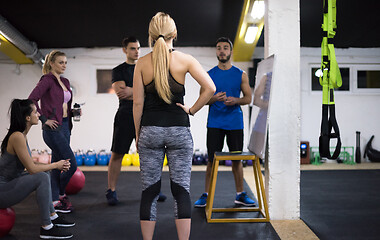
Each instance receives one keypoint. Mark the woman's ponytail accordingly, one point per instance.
(18, 111)
(161, 29)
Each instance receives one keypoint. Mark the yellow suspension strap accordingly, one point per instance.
(331, 79)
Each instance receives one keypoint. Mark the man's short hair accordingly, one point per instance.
(224, 39)
(128, 40)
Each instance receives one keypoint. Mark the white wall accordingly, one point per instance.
(354, 111)
(94, 131)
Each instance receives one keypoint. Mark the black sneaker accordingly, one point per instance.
(111, 197)
(55, 233)
(61, 221)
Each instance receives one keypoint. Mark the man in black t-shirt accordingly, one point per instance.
(123, 129)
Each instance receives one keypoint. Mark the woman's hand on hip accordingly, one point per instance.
(184, 107)
(53, 124)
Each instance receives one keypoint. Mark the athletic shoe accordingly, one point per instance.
(111, 197)
(61, 221)
(243, 199)
(66, 202)
(55, 233)
(202, 201)
(61, 208)
(161, 197)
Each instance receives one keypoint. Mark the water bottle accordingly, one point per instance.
(76, 112)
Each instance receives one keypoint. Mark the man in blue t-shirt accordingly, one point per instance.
(225, 117)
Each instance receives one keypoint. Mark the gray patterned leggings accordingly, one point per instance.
(177, 144)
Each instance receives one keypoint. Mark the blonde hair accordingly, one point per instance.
(46, 68)
(161, 28)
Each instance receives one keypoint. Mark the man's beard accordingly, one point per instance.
(224, 60)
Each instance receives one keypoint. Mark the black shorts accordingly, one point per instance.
(123, 131)
(215, 141)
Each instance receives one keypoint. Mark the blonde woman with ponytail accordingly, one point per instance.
(54, 96)
(162, 122)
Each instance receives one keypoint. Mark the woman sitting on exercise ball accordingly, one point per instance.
(15, 184)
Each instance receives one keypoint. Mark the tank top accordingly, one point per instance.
(66, 96)
(157, 112)
(10, 167)
(219, 115)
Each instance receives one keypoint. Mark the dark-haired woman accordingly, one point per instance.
(55, 97)
(15, 184)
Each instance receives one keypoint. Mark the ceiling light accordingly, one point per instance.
(258, 10)
(250, 34)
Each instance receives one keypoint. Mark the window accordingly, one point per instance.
(104, 80)
(368, 79)
(344, 72)
(356, 78)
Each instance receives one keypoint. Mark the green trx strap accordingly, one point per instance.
(331, 79)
